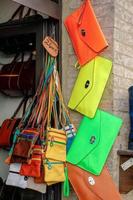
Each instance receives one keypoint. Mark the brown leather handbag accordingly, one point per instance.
(18, 75)
(90, 187)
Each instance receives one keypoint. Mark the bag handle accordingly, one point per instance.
(20, 10)
(83, 10)
(42, 110)
(13, 63)
(39, 112)
(29, 12)
(50, 100)
(63, 109)
(23, 101)
(33, 102)
(54, 90)
(22, 66)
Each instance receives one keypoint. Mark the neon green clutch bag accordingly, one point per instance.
(93, 141)
(89, 86)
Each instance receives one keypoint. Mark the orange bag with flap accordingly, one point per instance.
(85, 33)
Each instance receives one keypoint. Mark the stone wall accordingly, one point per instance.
(123, 74)
(115, 18)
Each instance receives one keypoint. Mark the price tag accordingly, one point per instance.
(126, 165)
(51, 46)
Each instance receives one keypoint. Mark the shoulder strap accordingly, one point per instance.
(29, 12)
(18, 11)
(23, 101)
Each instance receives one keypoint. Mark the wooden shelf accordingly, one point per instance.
(125, 152)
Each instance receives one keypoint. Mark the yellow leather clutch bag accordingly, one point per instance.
(89, 86)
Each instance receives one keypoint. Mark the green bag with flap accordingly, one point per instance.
(93, 142)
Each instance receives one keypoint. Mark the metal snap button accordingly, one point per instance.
(83, 32)
(87, 84)
(26, 178)
(91, 180)
(92, 139)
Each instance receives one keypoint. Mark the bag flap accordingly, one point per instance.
(77, 175)
(93, 133)
(88, 27)
(84, 84)
(86, 140)
(91, 184)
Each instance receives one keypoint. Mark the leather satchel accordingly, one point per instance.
(85, 33)
(6, 130)
(89, 86)
(93, 141)
(90, 187)
(15, 75)
(9, 125)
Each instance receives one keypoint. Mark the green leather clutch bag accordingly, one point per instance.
(93, 142)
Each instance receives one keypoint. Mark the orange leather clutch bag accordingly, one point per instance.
(91, 187)
(85, 33)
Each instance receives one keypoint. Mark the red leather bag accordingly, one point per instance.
(9, 125)
(90, 187)
(85, 33)
(6, 130)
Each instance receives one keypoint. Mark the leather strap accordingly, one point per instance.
(37, 107)
(23, 101)
(51, 100)
(34, 100)
(64, 116)
(83, 10)
(22, 66)
(18, 11)
(13, 64)
(29, 12)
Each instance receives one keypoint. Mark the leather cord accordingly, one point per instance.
(23, 101)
